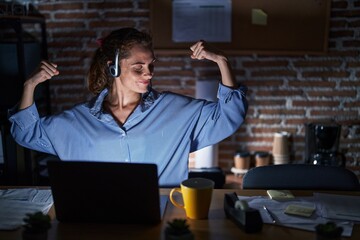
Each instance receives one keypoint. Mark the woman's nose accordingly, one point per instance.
(149, 71)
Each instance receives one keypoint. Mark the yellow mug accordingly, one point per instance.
(196, 194)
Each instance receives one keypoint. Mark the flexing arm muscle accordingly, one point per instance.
(44, 72)
(201, 50)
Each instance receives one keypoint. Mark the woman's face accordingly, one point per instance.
(137, 70)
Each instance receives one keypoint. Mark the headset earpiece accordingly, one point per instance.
(114, 68)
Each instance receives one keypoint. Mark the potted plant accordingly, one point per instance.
(178, 229)
(36, 226)
(328, 230)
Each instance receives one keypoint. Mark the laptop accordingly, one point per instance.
(104, 192)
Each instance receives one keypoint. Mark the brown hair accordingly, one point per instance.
(123, 39)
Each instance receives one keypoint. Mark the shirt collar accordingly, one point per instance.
(147, 100)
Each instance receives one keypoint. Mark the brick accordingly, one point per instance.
(334, 93)
(66, 24)
(256, 148)
(279, 93)
(110, 5)
(171, 82)
(281, 112)
(112, 24)
(352, 104)
(72, 34)
(250, 120)
(144, 5)
(354, 24)
(239, 72)
(325, 74)
(167, 64)
(60, 6)
(312, 84)
(353, 64)
(268, 102)
(341, 33)
(348, 14)
(295, 121)
(203, 63)
(249, 139)
(182, 73)
(339, 4)
(262, 82)
(76, 15)
(127, 14)
(255, 64)
(317, 103)
(343, 53)
(271, 131)
(318, 63)
(268, 73)
(338, 24)
(353, 44)
(334, 113)
(351, 83)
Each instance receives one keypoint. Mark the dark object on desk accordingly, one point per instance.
(301, 177)
(328, 230)
(178, 229)
(105, 192)
(36, 226)
(214, 173)
(248, 219)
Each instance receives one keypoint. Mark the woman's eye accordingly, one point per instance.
(138, 69)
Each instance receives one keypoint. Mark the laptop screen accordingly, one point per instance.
(105, 192)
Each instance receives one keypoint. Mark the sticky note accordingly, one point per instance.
(258, 17)
(280, 195)
(299, 210)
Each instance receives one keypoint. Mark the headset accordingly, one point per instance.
(114, 68)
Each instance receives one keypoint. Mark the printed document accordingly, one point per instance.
(16, 203)
(209, 20)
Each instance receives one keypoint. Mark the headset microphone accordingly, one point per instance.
(114, 68)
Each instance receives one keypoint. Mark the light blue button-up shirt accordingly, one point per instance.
(163, 130)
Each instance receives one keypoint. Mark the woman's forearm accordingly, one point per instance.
(27, 98)
(227, 77)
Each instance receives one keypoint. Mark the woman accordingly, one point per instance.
(128, 121)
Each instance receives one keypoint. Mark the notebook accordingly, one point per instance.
(105, 192)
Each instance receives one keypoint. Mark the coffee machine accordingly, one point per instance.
(322, 144)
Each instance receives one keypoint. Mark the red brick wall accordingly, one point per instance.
(284, 91)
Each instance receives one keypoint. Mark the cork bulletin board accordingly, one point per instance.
(257, 26)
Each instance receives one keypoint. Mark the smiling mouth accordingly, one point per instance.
(144, 82)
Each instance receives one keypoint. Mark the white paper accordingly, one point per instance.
(209, 20)
(277, 208)
(339, 206)
(16, 203)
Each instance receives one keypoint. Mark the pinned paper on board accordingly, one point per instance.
(258, 17)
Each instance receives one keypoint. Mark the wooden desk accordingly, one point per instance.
(216, 227)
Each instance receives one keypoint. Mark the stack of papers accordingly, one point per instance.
(341, 209)
(339, 206)
(16, 203)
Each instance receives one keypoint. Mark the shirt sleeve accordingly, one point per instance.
(28, 131)
(220, 119)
